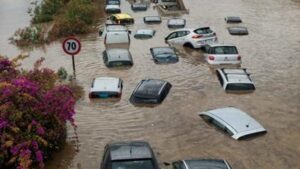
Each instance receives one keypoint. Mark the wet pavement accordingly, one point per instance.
(270, 53)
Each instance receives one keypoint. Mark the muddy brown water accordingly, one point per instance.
(270, 53)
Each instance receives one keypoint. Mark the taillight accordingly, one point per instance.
(211, 57)
(196, 36)
(239, 57)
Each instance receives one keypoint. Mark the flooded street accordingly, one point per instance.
(271, 53)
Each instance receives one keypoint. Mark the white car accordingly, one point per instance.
(234, 122)
(112, 9)
(217, 54)
(105, 87)
(235, 80)
(116, 35)
(194, 38)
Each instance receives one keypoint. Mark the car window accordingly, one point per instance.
(172, 35)
(182, 33)
(218, 124)
(176, 165)
(240, 86)
(203, 30)
(133, 164)
(225, 50)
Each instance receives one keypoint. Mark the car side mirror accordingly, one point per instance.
(129, 31)
(100, 32)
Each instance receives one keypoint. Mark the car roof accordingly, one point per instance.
(112, 7)
(176, 21)
(236, 75)
(205, 163)
(149, 88)
(145, 32)
(123, 16)
(105, 84)
(116, 28)
(237, 121)
(220, 44)
(155, 18)
(163, 49)
(139, 5)
(130, 150)
(117, 54)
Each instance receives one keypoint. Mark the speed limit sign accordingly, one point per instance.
(71, 45)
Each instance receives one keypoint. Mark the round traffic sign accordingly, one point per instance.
(71, 45)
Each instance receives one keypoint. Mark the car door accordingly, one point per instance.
(178, 37)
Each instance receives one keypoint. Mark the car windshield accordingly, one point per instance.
(240, 86)
(209, 164)
(225, 50)
(120, 63)
(133, 164)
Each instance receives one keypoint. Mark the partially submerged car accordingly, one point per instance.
(152, 19)
(150, 91)
(235, 80)
(164, 55)
(234, 122)
(233, 19)
(122, 18)
(139, 7)
(117, 57)
(112, 9)
(193, 38)
(201, 164)
(216, 54)
(176, 23)
(116, 35)
(144, 34)
(238, 30)
(129, 155)
(106, 87)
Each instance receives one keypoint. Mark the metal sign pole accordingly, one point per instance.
(74, 70)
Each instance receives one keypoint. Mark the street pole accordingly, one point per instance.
(74, 71)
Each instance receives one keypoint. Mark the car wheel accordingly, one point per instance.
(189, 45)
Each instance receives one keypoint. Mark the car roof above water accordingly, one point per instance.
(239, 122)
(116, 28)
(150, 87)
(105, 84)
(236, 75)
(130, 150)
(117, 54)
(206, 164)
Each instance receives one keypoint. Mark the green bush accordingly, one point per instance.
(46, 11)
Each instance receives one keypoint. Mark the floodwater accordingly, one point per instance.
(270, 53)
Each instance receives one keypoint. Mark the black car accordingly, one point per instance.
(150, 91)
(164, 55)
(233, 19)
(129, 155)
(152, 19)
(239, 30)
(139, 7)
(201, 164)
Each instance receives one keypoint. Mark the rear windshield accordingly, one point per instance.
(104, 94)
(240, 86)
(134, 164)
(120, 63)
(205, 30)
(224, 50)
(126, 21)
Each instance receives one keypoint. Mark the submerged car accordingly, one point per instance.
(122, 18)
(139, 7)
(112, 9)
(233, 122)
(150, 91)
(235, 80)
(117, 57)
(233, 19)
(240, 30)
(194, 38)
(176, 23)
(129, 155)
(201, 164)
(152, 19)
(222, 54)
(115, 34)
(164, 55)
(106, 87)
(144, 34)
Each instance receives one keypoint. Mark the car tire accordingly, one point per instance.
(189, 45)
